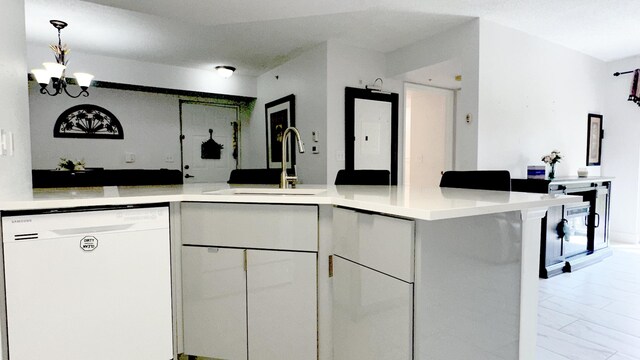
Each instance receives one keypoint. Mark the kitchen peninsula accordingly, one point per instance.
(436, 273)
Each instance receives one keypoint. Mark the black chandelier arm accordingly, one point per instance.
(84, 92)
(45, 91)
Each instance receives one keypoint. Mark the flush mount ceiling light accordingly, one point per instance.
(225, 71)
(54, 72)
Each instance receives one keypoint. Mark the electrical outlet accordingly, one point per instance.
(340, 155)
(129, 157)
(168, 159)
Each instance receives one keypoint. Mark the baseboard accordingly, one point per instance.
(623, 237)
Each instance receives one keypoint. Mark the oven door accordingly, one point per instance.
(574, 229)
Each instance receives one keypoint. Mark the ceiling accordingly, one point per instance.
(257, 35)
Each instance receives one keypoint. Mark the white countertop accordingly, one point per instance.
(417, 203)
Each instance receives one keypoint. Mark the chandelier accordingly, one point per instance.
(54, 72)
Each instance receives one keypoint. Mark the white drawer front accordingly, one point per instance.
(380, 242)
(285, 227)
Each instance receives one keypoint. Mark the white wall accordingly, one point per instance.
(621, 150)
(15, 180)
(306, 77)
(534, 98)
(462, 45)
(348, 66)
(317, 78)
(151, 124)
(147, 74)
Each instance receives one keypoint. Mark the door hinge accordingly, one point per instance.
(330, 265)
(245, 260)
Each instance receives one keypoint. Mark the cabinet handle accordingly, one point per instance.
(597, 220)
(330, 266)
(245, 260)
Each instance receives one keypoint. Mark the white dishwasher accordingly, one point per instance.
(88, 284)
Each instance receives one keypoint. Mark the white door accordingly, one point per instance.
(428, 134)
(282, 305)
(197, 120)
(372, 314)
(214, 302)
(372, 132)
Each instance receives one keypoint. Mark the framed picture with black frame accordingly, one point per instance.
(279, 115)
(594, 139)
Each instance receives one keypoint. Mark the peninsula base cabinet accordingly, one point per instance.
(373, 286)
(244, 302)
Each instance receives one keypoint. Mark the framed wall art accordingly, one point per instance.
(88, 121)
(279, 115)
(594, 139)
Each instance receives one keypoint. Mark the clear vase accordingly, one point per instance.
(552, 173)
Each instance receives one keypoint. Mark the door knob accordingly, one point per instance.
(188, 176)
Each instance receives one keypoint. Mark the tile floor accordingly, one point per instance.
(593, 313)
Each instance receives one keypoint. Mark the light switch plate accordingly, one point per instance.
(10, 145)
(3, 142)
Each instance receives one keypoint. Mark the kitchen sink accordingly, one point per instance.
(265, 191)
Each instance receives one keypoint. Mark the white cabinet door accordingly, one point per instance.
(372, 314)
(282, 305)
(214, 302)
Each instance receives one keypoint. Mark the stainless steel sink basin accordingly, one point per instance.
(265, 191)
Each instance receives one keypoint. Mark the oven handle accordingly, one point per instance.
(597, 217)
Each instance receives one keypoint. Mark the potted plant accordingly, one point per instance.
(69, 165)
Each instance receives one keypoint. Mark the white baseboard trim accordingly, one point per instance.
(623, 237)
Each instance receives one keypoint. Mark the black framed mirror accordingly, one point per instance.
(371, 131)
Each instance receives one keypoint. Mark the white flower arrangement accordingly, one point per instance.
(69, 165)
(552, 158)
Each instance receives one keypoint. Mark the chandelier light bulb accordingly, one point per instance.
(55, 70)
(83, 79)
(42, 76)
